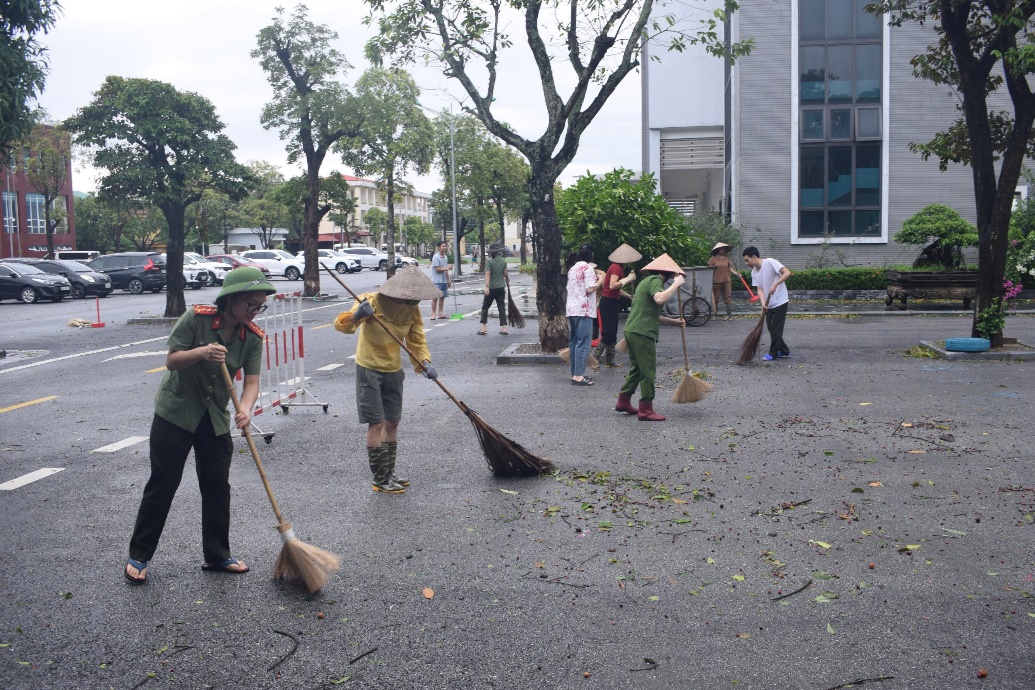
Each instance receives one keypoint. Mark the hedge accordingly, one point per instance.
(831, 279)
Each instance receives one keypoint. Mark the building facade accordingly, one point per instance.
(805, 142)
(23, 232)
(368, 196)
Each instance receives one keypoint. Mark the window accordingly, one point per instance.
(34, 213)
(840, 82)
(10, 212)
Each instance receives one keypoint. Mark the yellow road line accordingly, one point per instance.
(161, 368)
(26, 404)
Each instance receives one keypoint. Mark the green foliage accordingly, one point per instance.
(376, 221)
(1020, 261)
(991, 320)
(830, 279)
(23, 64)
(942, 232)
(420, 234)
(607, 211)
(46, 169)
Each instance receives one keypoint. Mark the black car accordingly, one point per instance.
(85, 281)
(30, 284)
(133, 271)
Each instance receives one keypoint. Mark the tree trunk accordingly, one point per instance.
(175, 304)
(50, 232)
(390, 193)
(311, 224)
(524, 236)
(550, 282)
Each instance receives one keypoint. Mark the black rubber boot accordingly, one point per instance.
(392, 448)
(378, 457)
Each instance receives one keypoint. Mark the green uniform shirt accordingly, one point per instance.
(644, 312)
(497, 268)
(186, 395)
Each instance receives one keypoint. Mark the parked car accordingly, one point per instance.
(30, 284)
(194, 276)
(280, 262)
(401, 260)
(236, 261)
(73, 255)
(368, 257)
(133, 271)
(342, 263)
(84, 280)
(216, 269)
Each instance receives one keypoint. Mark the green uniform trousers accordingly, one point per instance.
(643, 358)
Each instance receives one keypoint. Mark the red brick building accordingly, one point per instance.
(23, 229)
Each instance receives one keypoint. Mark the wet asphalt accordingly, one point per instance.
(852, 513)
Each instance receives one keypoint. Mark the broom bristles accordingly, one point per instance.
(691, 389)
(301, 561)
(565, 355)
(622, 346)
(505, 457)
(514, 317)
(749, 347)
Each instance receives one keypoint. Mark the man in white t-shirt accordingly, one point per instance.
(769, 276)
(440, 277)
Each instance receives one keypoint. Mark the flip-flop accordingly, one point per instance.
(141, 566)
(482, 333)
(224, 567)
(584, 382)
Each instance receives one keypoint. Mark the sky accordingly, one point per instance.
(204, 47)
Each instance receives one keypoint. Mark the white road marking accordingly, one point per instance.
(124, 443)
(351, 357)
(30, 478)
(331, 367)
(131, 355)
(83, 354)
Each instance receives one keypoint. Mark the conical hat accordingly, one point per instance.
(718, 246)
(664, 263)
(410, 283)
(625, 255)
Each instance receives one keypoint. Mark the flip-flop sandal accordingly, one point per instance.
(482, 333)
(224, 567)
(141, 566)
(583, 382)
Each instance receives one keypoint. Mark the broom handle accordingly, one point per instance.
(753, 297)
(682, 332)
(459, 403)
(251, 444)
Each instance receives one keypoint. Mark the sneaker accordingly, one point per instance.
(784, 354)
(389, 487)
(767, 357)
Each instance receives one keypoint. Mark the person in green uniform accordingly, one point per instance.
(641, 335)
(496, 283)
(191, 412)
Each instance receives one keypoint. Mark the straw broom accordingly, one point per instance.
(297, 560)
(691, 389)
(514, 316)
(565, 355)
(506, 458)
(749, 347)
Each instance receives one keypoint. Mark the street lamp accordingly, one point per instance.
(452, 177)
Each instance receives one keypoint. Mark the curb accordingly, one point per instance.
(511, 357)
(987, 355)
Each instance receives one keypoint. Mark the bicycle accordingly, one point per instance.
(697, 311)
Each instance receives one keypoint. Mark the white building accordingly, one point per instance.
(367, 196)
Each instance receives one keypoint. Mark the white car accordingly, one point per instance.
(193, 277)
(374, 259)
(216, 271)
(278, 261)
(336, 261)
(401, 260)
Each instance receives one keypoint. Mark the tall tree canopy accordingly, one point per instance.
(980, 46)
(311, 109)
(394, 137)
(161, 146)
(47, 170)
(600, 43)
(23, 64)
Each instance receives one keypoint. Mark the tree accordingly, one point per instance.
(981, 45)
(163, 147)
(147, 227)
(376, 221)
(23, 64)
(945, 229)
(600, 41)
(261, 210)
(507, 176)
(420, 234)
(310, 108)
(91, 224)
(607, 211)
(394, 136)
(46, 169)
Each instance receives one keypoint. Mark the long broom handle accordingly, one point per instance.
(753, 295)
(459, 403)
(682, 332)
(251, 444)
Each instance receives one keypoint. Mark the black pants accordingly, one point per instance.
(608, 309)
(500, 295)
(170, 446)
(774, 321)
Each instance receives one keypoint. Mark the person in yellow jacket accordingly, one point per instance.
(379, 371)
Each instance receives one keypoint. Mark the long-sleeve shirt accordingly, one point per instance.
(376, 349)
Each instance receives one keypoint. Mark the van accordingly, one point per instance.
(76, 255)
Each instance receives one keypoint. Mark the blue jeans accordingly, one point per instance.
(580, 334)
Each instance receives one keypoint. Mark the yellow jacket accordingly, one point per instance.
(376, 349)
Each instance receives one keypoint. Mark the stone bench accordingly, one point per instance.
(902, 285)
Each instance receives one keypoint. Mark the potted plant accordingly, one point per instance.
(942, 234)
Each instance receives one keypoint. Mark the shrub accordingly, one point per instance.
(831, 279)
(946, 231)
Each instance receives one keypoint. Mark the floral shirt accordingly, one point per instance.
(580, 278)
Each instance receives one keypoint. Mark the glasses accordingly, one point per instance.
(256, 308)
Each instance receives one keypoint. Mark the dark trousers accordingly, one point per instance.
(500, 295)
(608, 309)
(170, 446)
(774, 321)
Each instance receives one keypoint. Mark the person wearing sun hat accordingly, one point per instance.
(641, 335)
(722, 289)
(191, 412)
(611, 301)
(379, 370)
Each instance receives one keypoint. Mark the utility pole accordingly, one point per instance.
(452, 176)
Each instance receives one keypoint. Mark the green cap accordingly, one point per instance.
(245, 279)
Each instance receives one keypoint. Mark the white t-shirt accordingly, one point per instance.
(765, 276)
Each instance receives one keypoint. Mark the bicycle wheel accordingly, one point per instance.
(696, 311)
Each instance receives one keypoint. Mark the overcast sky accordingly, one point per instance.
(204, 47)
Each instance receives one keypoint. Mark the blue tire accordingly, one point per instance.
(967, 344)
